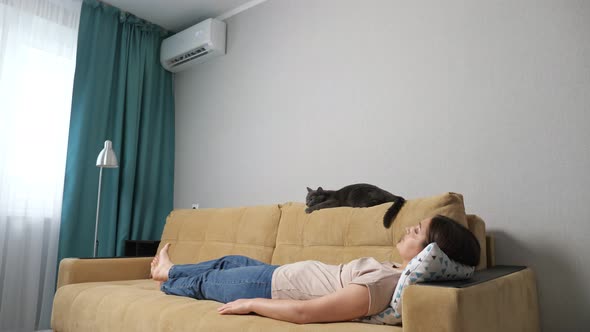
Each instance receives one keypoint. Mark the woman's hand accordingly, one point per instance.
(345, 304)
(237, 307)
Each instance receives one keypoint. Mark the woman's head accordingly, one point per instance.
(454, 240)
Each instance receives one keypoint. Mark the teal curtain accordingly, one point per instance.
(121, 93)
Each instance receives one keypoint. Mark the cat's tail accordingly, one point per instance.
(392, 211)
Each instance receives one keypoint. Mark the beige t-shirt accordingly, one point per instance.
(312, 279)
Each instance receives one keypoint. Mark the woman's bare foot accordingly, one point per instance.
(153, 265)
(161, 264)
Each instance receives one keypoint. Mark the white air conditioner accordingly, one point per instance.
(194, 45)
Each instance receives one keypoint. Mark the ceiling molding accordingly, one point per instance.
(239, 9)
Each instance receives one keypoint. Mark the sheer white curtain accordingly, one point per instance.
(37, 60)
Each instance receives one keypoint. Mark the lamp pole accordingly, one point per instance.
(97, 212)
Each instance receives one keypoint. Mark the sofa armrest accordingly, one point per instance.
(78, 270)
(506, 303)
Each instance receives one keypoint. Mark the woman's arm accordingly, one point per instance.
(346, 304)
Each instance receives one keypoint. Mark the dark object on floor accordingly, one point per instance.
(141, 248)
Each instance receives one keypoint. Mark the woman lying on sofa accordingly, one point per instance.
(310, 291)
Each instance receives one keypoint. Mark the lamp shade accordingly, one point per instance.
(106, 157)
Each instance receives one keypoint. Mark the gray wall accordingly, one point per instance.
(487, 98)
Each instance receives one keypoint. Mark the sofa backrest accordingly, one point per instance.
(281, 234)
(198, 235)
(339, 235)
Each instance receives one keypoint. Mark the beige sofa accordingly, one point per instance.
(116, 294)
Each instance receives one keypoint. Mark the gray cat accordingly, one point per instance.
(354, 195)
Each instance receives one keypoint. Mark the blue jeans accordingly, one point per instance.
(224, 279)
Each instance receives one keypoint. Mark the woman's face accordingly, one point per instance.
(412, 243)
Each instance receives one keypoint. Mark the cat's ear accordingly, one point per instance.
(309, 189)
(320, 189)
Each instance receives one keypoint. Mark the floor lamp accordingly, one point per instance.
(106, 159)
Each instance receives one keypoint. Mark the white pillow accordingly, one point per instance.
(429, 265)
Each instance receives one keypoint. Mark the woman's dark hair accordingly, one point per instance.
(454, 240)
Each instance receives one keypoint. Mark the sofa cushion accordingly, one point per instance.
(137, 305)
(198, 235)
(339, 235)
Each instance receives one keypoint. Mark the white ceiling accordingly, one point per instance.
(177, 15)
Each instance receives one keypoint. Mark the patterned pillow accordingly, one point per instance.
(430, 264)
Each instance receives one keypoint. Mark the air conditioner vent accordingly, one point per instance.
(199, 52)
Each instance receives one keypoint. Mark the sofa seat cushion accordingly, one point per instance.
(138, 305)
